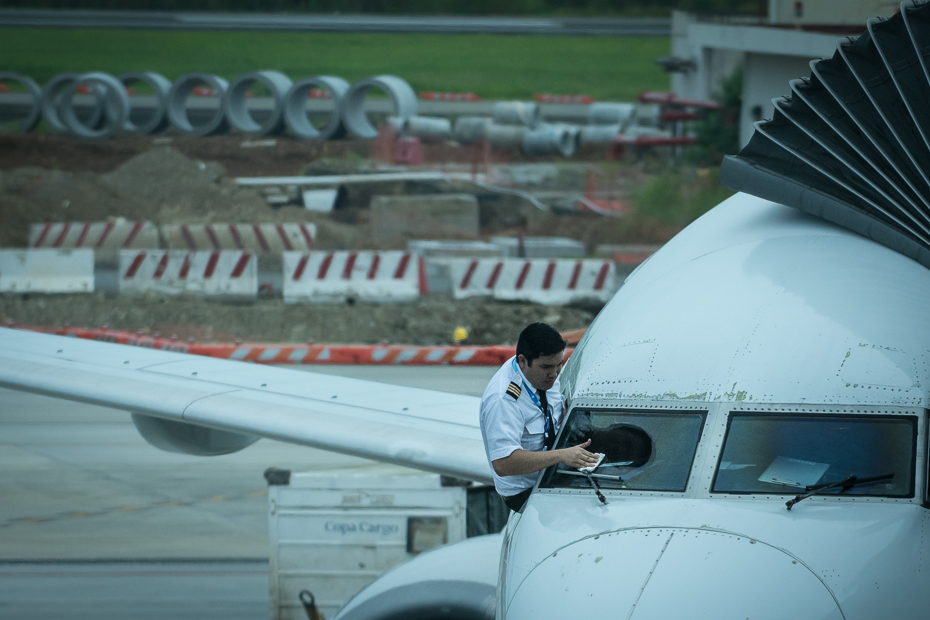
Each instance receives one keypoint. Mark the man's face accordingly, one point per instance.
(542, 371)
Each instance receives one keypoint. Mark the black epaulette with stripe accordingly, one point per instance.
(514, 390)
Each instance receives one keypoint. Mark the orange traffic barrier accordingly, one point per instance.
(306, 353)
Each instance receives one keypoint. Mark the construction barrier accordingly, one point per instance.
(431, 95)
(337, 277)
(357, 354)
(46, 271)
(550, 282)
(116, 235)
(562, 99)
(264, 238)
(309, 353)
(173, 272)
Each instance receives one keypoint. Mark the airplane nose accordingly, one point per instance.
(662, 573)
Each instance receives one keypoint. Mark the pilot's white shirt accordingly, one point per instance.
(511, 423)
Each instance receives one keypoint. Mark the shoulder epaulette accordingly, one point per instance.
(514, 390)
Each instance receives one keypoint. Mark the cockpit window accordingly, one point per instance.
(778, 454)
(644, 451)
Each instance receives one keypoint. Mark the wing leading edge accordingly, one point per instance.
(429, 430)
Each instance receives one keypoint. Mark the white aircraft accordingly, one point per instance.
(760, 388)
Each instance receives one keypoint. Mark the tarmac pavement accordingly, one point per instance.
(94, 522)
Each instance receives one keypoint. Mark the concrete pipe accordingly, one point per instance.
(236, 102)
(403, 101)
(470, 129)
(551, 140)
(428, 128)
(574, 133)
(399, 123)
(112, 94)
(295, 108)
(505, 136)
(31, 119)
(181, 91)
(157, 118)
(524, 113)
(611, 114)
(598, 134)
(52, 94)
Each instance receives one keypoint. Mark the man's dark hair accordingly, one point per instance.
(539, 340)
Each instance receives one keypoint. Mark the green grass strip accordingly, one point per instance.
(491, 66)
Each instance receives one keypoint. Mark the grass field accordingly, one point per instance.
(493, 67)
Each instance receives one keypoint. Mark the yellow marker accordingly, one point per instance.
(459, 334)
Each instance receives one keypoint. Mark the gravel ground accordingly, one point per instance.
(429, 321)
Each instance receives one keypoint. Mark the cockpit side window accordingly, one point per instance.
(643, 450)
(788, 454)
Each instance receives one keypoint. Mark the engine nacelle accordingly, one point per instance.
(455, 582)
(184, 438)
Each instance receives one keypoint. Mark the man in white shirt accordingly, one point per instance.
(521, 412)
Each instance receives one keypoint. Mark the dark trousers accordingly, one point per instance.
(516, 502)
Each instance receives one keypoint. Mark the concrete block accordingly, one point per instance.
(426, 215)
(47, 271)
(541, 247)
(439, 248)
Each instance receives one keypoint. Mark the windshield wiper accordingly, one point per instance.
(846, 484)
(594, 485)
(597, 489)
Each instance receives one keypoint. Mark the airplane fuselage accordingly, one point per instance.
(764, 352)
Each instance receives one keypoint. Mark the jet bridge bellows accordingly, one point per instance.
(851, 143)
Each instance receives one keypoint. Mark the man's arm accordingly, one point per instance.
(521, 462)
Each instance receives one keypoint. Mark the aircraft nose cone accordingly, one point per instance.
(657, 574)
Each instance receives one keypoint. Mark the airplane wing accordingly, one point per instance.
(429, 430)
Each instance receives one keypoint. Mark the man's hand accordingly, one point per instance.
(577, 456)
(527, 461)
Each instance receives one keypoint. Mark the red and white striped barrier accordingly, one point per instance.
(440, 96)
(266, 238)
(94, 235)
(46, 271)
(335, 277)
(666, 98)
(550, 282)
(307, 354)
(565, 99)
(174, 272)
(357, 354)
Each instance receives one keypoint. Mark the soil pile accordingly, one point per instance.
(160, 185)
(188, 180)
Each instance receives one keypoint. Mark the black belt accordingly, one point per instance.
(516, 502)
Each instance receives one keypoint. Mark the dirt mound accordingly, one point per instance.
(32, 195)
(161, 185)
